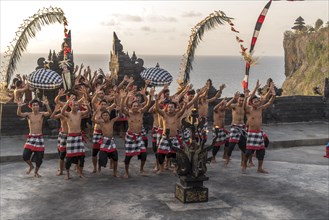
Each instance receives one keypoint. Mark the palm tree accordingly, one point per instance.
(26, 31)
(211, 21)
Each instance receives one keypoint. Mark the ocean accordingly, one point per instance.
(220, 69)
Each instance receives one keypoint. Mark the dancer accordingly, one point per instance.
(35, 142)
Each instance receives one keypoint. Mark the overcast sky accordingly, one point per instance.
(159, 27)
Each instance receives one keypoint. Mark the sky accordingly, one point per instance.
(159, 27)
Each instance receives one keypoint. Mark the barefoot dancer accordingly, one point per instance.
(237, 132)
(134, 144)
(108, 147)
(62, 138)
(255, 139)
(75, 149)
(220, 134)
(34, 143)
(170, 121)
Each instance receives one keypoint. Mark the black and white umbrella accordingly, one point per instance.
(157, 76)
(44, 79)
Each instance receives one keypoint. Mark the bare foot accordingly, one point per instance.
(243, 170)
(94, 171)
(226, 163)
(213, 160)
(143, 173)
(160, 171)
(59, 172)
(67, 177)
(126, 176)
(251, 164)
(116, 174)
(82, 176)
(29, 170)
(37, 175)
(262, 171)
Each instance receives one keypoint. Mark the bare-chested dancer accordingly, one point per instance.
(62, 137)
(34, 143)
(220, 134)
(108, 147)
(203, 105)
(134, 144)
(237, 132)
(255, 139)
(98, 134)
(154, 135)
(171, 118)
(75, 149)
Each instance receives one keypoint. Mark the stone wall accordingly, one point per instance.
(284, 110)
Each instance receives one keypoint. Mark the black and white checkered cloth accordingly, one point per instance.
(62, 138)
(44, 79)
(74, 145)
(222, 136)
(164, 147)
(235, 133)
(134, 144)
(108, 145)
(255, 140)
(34, 142)
(157, 76)
(97, 136)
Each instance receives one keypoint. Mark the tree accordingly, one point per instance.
(318, 24)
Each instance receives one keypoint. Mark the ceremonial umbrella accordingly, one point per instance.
(44, 79)
(157, 76)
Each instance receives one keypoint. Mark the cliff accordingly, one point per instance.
(306, 61)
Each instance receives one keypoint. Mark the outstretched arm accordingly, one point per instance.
(235, 98)
(218, 94)
(19, 110)
(144, 109)
(48, 113)
(161, 112)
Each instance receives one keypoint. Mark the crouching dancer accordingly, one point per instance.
(34, 143)
(75, 149)
(108, 147)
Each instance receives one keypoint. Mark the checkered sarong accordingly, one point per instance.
(154, 134)
(255, 140)
(62, 144)
(144, 134)
(222, 136)
(35, 142)
(108, 145)
(134, 144)
(236, 131)
(74, 145)
(97, 136)
(164, 147)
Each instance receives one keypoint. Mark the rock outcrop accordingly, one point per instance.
(306, 61)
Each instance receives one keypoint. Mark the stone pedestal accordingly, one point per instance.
(191, 190)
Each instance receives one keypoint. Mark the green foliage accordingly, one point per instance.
(318, 24)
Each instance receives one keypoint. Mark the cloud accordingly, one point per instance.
(126, 17)
(191, 14)
(146, 29)
(161, 19)
(112, 22)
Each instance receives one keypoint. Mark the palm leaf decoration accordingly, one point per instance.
(26, 31)
(211, 21)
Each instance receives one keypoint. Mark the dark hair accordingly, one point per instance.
(172, 103)
(191, 92)
(254, 97)
(103, 100)
(105, 112)
(166, 90)
(18, 83)
(241, 95)
(34, 101)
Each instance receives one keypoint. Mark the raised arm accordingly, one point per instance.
(235, 98)
(61, 93)
(144, 109)
(19, 109)
(252, 94)
(161, 112)
(218, 94)
(48, 113)
(181, 111)
(56, 113)
(220, 104)
(63, 111)
(123, 97)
